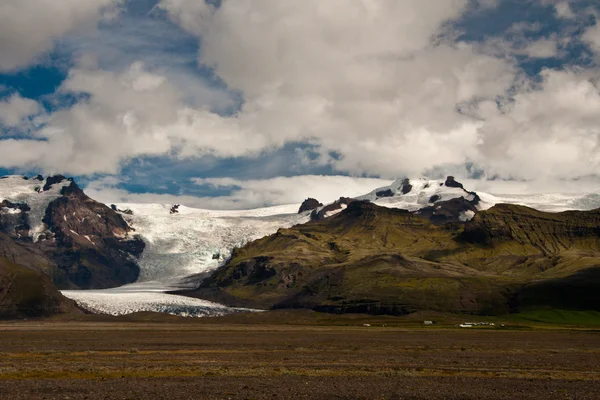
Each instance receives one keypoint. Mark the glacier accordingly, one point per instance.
(180, 247)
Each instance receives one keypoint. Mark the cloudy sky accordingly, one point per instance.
(244, 103)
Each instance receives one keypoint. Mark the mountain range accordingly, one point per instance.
(414, 245)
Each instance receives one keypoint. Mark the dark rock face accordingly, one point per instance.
(13, 219)
(91, 244)
(85, 245)
(53, 180)
(337, 205)
(309, 205)
(434, 198)
(451, 182)
(406, 186)
(174, 209)
(449, 211)
(385, 193)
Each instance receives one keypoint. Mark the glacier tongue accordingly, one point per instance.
(122, 301)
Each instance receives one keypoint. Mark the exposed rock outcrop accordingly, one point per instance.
(385, 193)
(318, 215)
(309, 205)
(406, 187)
(451, 182)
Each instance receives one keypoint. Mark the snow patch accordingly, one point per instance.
(466, 216)
(16, 189)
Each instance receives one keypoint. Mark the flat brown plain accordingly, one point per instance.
(183, 360)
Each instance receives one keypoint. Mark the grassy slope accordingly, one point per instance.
(373, 259)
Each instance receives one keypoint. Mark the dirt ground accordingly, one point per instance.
(176, 360)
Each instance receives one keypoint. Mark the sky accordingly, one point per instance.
(250, 103)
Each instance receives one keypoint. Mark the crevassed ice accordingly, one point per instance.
(194, 241)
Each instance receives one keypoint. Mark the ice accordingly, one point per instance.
(181, 245)
(189, 242)
(422, 191)
(122, 301)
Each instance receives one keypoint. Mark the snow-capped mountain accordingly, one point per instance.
(415, 194)
(418, 194)
(51, 226)
(181, 244)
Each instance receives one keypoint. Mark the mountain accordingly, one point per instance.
(51, 226)
(54, 228)
(369, 258)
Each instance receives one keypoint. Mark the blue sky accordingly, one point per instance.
(198, 94)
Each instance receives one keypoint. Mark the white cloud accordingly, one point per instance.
(592, 37)
(28, 28)
(368, 80)
(129, 114)
(15, 109)
(549, 131)
(563, 10)
(543, 48)
(247, 194)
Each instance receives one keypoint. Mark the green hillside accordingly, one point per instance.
(380, 260)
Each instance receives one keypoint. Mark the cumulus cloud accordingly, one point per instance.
(15, 109)
(563, 10)
(592, 37)
(548, 130)
(246, 194)
(124, 115)
(28, 28)
(375, 82)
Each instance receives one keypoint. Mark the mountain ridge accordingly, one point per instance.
(373, 259)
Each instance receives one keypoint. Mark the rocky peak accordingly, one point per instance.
(451, 182)
(309, 205)
(406, 187)
(384, 193)
(336, 206)
(54, 179)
